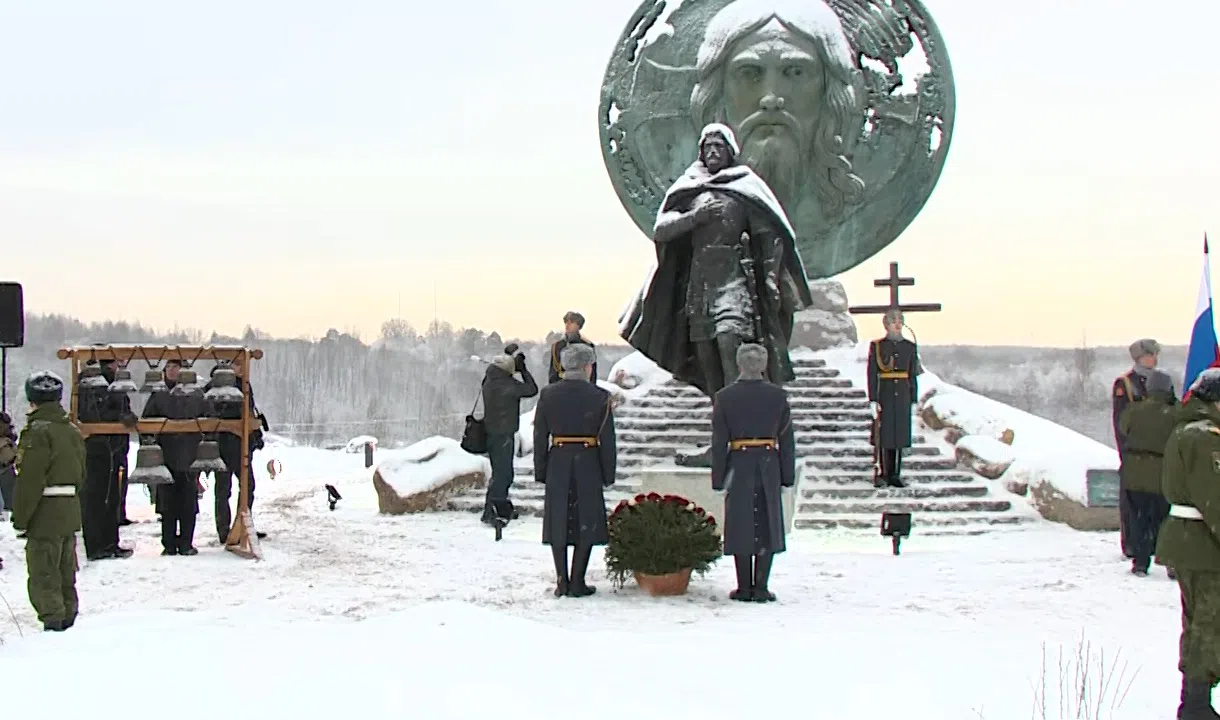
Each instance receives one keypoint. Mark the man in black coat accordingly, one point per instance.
(179, 500)
(575, 454)
(753, 456)
(105, 468)
(1130, 387)
(502, 396)
(230, 453)
(573, 323)
(893, 388)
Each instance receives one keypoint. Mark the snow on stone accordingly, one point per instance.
(428, 464)
(357, 444)
(988, 449)
(643, 372)
(1043, 452)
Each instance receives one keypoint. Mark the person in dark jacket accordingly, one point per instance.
(1147, 425)
(502, 396)
(573, 323)
(105, 467)
(575, 454)
(753, 457)
(230, 453)
(893, 387)
(179, 500)
(8, 466)
(1189, 541)
(1127, 388)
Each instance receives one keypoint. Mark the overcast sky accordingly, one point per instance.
(304, 165)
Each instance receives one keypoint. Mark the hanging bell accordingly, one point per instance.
(150, 467)
(188, 383)
(225, 395)
(123, 383)
(91, 377)
(154, 381)
(207, 457)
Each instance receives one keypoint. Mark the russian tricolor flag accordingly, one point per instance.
(1204, 351)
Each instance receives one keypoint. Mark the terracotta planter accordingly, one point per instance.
(664, 585)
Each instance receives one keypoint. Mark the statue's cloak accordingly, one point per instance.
(655, 323)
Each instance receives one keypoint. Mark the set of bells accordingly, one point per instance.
(224, 397)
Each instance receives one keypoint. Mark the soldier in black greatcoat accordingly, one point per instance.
(105, 468)
(178, 501)
(575, 455)
(573, 323)
(753, 456)
(1129, 387)
(893, 388)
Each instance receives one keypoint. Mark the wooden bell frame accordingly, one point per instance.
(243, 539)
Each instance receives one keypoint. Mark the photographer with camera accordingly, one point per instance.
(502, 396)
(230, 453)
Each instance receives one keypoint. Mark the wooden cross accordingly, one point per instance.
(893, 282)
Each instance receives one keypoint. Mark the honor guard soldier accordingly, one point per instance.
(1189, 541)
(575, 455)
(573, 323)
(1129, 387)
(46, 506)
(753, 456)
(893, 366)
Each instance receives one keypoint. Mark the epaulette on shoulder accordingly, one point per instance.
(1199, 427)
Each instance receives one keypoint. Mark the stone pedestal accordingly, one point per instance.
(695, 484)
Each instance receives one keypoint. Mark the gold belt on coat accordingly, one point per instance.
(743, 443)
(586, 440)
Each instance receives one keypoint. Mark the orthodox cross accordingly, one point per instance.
(893, 282)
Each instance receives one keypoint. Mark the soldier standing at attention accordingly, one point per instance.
(1129, 387)
(753, 456)
(46, 509)
(893, 366)
(1147, 425)
(1189, 542)
(576, 456)
(573, 323)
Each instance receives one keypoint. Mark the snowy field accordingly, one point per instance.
(357, 615)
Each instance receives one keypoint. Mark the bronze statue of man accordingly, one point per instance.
(727, 272)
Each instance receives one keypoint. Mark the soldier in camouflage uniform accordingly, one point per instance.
(1189, 541)
(46, 509)
(1147, 423)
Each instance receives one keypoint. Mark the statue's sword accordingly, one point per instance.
(747, 266)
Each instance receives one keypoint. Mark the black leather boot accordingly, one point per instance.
(580, 565)
(1196, 700)
(560, 554)
(762, 575)
(745, 578)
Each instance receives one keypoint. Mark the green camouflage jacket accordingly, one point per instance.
(1147, 424)
(50, 454)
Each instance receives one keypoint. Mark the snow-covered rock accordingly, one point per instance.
(426, 474)
(827, 323)
(636, 374)
(985, 455)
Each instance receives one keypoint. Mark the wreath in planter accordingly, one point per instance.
(660, 534)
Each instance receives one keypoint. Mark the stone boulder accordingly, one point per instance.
(986, 456)
(1054, 505)
(426, 475)
(825, 324)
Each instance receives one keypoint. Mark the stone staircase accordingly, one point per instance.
(834, 459)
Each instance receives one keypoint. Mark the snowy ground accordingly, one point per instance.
(357, 615)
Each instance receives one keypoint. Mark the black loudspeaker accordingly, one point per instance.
(12, 315)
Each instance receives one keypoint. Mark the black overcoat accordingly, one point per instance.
(896, 395)
(574, 508)
(751, 478)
